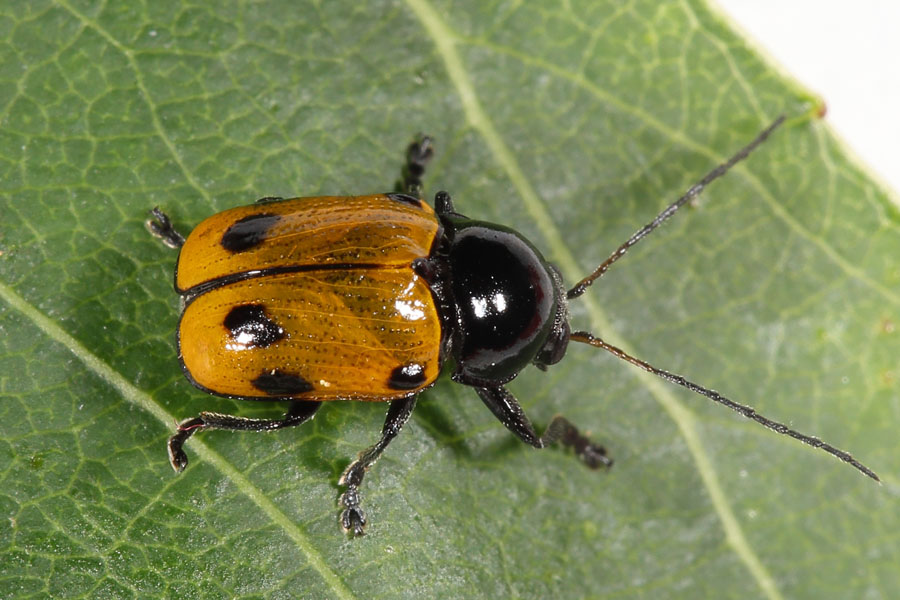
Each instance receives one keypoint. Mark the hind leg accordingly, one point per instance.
(299, 412)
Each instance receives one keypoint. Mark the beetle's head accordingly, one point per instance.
(558, 340)
(510, 303)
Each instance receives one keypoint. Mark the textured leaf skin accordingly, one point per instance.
(780, 287)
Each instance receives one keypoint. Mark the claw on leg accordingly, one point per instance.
(418, 153)
(160, 225)
(353, 518)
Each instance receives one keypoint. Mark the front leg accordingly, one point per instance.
(353, 519)
(506, 408)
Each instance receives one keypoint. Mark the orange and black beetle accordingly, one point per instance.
(366, 298)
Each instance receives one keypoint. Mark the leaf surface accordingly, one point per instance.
(574, 123)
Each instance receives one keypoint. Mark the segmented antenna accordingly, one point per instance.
(588, 338)
(693, 192)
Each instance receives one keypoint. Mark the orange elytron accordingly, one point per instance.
(311, 298)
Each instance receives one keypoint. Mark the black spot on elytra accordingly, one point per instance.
(405, 199)
(250, 326)
(280, 383)
(407, 377)
(248, 232)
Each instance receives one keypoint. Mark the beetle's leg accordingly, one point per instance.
(417, 156)
(299, 412)
(443, 204)
(161, 226)
(506, 408)
(353, 518)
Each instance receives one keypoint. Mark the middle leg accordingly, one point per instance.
(353, 518)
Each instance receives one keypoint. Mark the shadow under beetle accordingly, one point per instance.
(367, 297)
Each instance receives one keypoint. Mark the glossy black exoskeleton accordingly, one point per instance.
(509, 302)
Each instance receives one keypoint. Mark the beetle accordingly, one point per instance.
(317, 299)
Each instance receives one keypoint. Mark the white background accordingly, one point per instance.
(846, 52)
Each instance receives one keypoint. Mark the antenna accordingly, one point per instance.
(587, 338)
(693, 192)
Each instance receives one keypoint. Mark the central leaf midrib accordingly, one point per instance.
(444, 40)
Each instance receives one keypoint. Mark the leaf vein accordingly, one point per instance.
(142, 400)
(546, 226)
(145, 93)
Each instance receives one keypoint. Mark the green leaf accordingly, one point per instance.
(572, 122)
